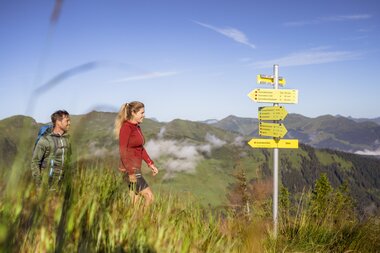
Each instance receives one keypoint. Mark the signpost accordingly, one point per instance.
(272, 143)
(274, 128)
(274, 96)
(272, 113)
(267, 79)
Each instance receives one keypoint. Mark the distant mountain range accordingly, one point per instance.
(202, 158)
(376, 120)
(332, 132)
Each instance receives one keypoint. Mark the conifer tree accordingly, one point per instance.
(321, 197)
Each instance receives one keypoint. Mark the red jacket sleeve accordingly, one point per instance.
(124, 135)
(146, 157)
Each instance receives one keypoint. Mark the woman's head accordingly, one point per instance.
(133, 111)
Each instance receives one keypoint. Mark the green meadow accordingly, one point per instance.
(92, 212)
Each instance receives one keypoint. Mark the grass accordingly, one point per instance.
(206, 189)
(327, 159)
(93, 213)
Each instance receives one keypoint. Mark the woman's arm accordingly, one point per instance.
(149, 161)
(124, 136)
(146, 157)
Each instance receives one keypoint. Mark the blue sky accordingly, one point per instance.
(193, 60)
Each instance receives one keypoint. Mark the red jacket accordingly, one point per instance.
(132, 152)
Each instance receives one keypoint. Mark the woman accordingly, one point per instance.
(132, 152)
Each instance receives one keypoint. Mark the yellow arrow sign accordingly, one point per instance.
(272, 113)
(271, 143)
(267, 79)
(272, 129)
(274, 96)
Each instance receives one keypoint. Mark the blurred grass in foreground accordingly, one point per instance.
(94, 214)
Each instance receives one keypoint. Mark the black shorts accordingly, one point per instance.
(140, 184)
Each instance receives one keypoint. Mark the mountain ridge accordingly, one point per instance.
(201, 158)
(326, 131)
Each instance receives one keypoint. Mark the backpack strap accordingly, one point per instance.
(52, 155)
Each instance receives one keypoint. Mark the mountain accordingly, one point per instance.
(375, 120)
(332, 132)
(245, 126)
(13, 131)
(202, 159)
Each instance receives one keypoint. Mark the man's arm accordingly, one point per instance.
(39, 154)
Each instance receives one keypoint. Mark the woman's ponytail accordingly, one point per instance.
(125, 113)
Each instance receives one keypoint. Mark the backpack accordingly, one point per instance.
(45, 129)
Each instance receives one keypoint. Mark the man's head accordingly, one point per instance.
(61, 120)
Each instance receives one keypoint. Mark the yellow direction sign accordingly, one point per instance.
(267, 79)
(274, 96)
(272, 113)
(271, 143)
(272, 129)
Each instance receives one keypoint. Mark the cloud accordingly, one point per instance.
(347, 17)
(229, 32)
(180, 156)
(214, 141)
(369, 152)
(150, 75)
(239, 141)
(176, 156)
(160, 135)
(175, 165)
(310, 57)
(337, 18)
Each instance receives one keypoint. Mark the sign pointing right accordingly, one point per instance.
(267, 79)
(277, 130)
(272, 113)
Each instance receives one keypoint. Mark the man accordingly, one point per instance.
(52, 152)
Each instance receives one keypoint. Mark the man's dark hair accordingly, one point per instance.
(58, 115)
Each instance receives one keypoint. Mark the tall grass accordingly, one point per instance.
(335, 228)
(92, 212)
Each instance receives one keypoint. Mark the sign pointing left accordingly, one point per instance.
(270, 143)
(274, 96)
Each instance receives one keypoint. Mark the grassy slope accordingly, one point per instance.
(96, 215)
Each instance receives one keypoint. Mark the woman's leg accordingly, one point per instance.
(134, 197)
(147, 195)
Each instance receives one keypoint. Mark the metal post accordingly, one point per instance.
(275, 163)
